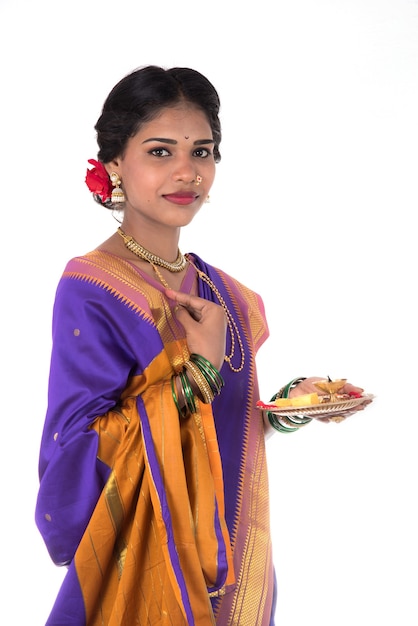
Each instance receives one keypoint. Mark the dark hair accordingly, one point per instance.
(139, 97)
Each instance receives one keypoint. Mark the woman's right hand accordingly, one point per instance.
(204, 323)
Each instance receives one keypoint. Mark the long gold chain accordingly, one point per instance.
(177, 266)
(233, 328)
(160, 276)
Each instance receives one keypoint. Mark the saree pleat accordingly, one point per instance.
(151, 552)
(172, 513)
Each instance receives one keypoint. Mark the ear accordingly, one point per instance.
(112, 166)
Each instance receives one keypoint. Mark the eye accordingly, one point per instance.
(202, 153)
(159, 152)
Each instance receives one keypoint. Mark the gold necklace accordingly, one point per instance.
(132, 245)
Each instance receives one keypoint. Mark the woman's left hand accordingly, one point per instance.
(308, 386)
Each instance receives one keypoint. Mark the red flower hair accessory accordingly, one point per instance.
(98, 181)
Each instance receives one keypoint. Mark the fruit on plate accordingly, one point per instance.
(304, 400)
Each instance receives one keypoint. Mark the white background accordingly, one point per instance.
(314, 207)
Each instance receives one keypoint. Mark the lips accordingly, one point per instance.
(183, 198)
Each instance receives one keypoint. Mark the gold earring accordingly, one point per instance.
(207, 198)
(117, 192)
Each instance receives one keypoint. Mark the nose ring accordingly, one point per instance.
(198, 180)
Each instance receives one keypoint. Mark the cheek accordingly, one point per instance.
(208, 174)
(138, 182)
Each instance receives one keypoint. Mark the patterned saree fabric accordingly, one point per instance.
(159, 519)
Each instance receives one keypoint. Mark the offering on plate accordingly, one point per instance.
(331, 389)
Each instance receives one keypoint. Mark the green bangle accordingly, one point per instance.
(288, 419)
(284, 391)
(213, 377)
(293, 423)
(183, 412)
(278, 426)
(188, 391)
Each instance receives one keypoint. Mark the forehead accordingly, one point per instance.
(184, 119)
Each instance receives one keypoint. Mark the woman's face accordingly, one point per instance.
(162, 164)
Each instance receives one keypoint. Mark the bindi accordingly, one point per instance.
(186, 136)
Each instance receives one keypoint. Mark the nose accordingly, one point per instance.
(185, 170)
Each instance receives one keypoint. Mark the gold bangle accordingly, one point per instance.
(201, 382)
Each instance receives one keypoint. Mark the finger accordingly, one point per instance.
(183, 312)
(192, 303)
(349, 388)
(183, 301)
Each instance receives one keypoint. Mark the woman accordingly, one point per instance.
(153, 480)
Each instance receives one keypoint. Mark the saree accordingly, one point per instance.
(159, 519)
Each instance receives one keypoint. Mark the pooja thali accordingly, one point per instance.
(331, 403)
(323, 409)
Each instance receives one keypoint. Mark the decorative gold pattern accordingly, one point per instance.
(177, 266)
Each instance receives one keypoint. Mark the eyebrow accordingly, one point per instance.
(173, 142)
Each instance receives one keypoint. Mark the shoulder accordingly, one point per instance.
(100, 277)
(98, 263)
(103, 269)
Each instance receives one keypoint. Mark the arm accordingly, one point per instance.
(90, 364)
